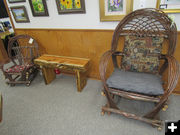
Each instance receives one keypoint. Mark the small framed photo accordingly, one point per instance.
(20, 14)
(70, 6)
(169, 6)
(39, 7)
(16, 1)
(7, 25)
(1, 28)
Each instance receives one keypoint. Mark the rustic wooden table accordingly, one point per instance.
(78, 65)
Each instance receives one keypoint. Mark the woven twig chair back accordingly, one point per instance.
(147, 23)
(22, 49)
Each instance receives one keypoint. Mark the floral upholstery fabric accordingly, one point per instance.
(142, 54)
(18, 68)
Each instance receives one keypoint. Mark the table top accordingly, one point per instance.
(64, 60)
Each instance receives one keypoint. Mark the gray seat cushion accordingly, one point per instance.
(143, 83)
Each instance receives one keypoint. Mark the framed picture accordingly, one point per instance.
(15, 1)
(20, 14)
(169, 6)
(39, 7)
(114, 10)
(70, 6)
(7, 25)
(1, 28)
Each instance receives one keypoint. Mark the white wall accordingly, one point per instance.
(90, 20)
(4, 19)
(152, 4)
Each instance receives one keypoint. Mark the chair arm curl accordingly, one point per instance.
(105, 60)
(173, 76)
(102, 69)
(103, 64)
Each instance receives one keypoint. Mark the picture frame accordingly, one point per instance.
(168, 6)
(7, 25)
(70, 6)
(16, 1)
(1, 28)
(39, 8)
(114, 10)
(20, 14)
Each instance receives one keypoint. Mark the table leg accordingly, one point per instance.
(81, 80)
(48, 74)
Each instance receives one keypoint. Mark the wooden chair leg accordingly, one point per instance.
(154, 122)
(108, 112)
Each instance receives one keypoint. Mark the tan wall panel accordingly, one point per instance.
(3, 54)
(79, 43)
(177, 56)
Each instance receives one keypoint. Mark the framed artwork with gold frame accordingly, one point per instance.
(114, 10)
(169, 6)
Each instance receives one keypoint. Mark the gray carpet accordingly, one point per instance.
(58, 109)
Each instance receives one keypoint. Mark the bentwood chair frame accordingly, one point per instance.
(158, 24)
(22, 50)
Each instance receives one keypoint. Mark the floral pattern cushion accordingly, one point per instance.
(142, 54)
(18, 68)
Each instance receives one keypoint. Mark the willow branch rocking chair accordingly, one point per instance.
(22, 50)
(143, 65)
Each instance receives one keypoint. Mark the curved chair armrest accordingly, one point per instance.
(104, 62)
(173, 74)
(102, 69)
(173, 77)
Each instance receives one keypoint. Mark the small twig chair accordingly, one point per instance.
(138, 75)
(22, 50)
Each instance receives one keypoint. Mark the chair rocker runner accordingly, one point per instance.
(143, 65)
(22, 50)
